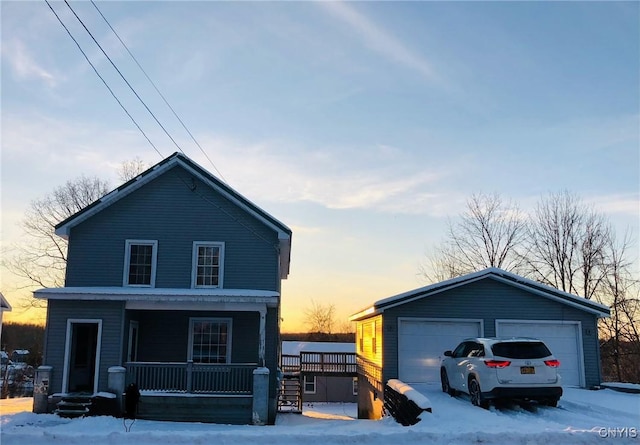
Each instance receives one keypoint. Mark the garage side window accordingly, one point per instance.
(374, 344)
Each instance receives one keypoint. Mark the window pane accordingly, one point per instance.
(210, 341)
(208, 266)
(140, 264)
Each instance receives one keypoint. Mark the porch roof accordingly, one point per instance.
(160, 295)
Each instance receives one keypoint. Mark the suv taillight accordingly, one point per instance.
(497, 363)
(552, 363)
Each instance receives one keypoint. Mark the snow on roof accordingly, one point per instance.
(295, 347)
(496, 273)
(152, 294)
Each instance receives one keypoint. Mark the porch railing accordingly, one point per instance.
(189, 377)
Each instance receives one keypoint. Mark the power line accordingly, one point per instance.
(103, 81)
(123, 78)
(158, 91)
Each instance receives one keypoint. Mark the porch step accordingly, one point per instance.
(290, 397)
(73, 406)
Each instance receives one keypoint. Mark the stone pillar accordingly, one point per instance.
(41, 389)
(116, 384)
(260, 396)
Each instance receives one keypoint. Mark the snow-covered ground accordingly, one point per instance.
(583, 417)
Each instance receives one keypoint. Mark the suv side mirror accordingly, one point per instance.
(448, 354)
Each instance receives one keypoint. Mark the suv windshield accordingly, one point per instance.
(521, 349)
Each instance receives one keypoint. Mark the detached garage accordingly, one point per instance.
(404, 337)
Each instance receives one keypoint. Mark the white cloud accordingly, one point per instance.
(623, 204)
(23, 64)
(384, 179)
(379, 40)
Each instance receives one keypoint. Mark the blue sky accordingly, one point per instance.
(362, 125)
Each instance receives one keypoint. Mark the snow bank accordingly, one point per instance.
(415, 396)
(582, 418)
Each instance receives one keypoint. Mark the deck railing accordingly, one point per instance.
(189, 377)
(328, 362)
(290, 363)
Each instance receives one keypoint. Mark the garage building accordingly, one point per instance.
(404, 337)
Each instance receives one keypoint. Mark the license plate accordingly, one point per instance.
(527, 370)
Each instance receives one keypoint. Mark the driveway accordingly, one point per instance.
(579, 410)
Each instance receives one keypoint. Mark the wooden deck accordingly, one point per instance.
(337, 364)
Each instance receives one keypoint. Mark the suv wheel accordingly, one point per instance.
(476, 394)
(445, 383)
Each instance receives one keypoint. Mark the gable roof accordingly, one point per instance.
(4, 304)
(284, 233)
(494, 273)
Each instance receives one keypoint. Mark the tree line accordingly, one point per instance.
(564, 243)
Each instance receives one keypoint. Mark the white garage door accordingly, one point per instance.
(422, 342)
(561, 338)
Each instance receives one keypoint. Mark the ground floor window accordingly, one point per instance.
(354, 386)
(210, 340)
(309, 384)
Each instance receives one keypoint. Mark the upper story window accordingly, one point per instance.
(208, 261)
(140, 263)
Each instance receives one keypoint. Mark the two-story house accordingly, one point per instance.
(175, 277)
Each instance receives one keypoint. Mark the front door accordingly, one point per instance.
(82, 356)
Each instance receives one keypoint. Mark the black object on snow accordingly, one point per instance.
(132, 398)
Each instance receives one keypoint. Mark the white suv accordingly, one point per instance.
(499, 368)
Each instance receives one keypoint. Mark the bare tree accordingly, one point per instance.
(130, 169)
(621, 332)
(487, 234)
(567, 245)
(40, 258)
(320, 318)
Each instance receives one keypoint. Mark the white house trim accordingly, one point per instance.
(67, 351)
(580, 345)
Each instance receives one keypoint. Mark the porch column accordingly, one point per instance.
(263, 335)
(116, 383)
(260, 396)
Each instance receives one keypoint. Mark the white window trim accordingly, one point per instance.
(67, 351)
(354, 386)
(134, 326)
(304, 384)
(229, 321)
(194, 264)
(127, 261)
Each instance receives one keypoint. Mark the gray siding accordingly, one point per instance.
(175, 209)
(164, 335)
(489, 300)
(58, 312)
(332, 389)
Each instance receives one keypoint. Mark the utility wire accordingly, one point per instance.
(158, 91)
(201, 195)
(103, 81)
(123, 78)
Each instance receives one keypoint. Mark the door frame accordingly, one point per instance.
(67, 351)
(479, 321)
(132, 346)
(579, 342)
